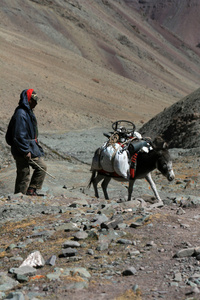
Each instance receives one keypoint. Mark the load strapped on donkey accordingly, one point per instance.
(118, 155)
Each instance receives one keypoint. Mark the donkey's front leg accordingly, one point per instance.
(130, 188)
(154, 189)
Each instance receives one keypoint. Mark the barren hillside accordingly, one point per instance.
(92, 62)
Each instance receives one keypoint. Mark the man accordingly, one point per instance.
(22, 136)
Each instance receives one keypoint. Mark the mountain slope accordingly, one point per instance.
(92, 62)
(180, 17)
(179, 124)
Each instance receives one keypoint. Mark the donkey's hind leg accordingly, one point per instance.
(104, 186)
(95, 182)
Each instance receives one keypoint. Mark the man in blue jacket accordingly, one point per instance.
(22, 136)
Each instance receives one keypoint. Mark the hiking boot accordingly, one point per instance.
(31, 192)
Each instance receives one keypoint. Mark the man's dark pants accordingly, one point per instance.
(23, 180)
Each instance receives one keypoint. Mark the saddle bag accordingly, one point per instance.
(121, 163)
(96, 165)
(107, 157)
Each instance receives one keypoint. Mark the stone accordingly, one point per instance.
(98, 220)
(130, 271)
(113, 223)
(22, 278)
(198, 257)
(77, 285)
(82, 272)
(180, 211)
(81, 202)
(68, 227)
(11, 246)
(90, 252)
(24, 270)
(68, 252)
(109, 236)
(72, 244)
(44, 234)
(35, 259)
(102, 246)
(80, 235)
(178, 277)
(7, 283)
(185, 253)
(197, 251)
(51, 261)
(15, 296)
(124, 241)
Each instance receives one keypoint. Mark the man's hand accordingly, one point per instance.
(28, 156)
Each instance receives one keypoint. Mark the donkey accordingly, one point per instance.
(157, 157)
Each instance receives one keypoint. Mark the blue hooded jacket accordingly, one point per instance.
(22, 130)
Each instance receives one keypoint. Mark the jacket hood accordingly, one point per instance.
(25, 98)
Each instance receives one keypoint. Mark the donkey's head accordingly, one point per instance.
(164, 161)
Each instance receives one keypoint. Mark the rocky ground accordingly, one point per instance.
(88, 248)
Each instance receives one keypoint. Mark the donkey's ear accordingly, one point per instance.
(159, 143)
(165, 145)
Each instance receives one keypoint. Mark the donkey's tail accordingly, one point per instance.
(91, 178)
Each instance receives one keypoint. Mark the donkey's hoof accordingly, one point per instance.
(157, 205)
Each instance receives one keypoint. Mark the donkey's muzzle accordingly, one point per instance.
(171, 175)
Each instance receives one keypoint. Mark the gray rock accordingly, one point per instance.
(102, 247)
(98, 220)
(198, 257)
(55, 275)
(68, 227)
(178, 277)
(45, 233)
(125, 241)
(180, 211)
(130, 271)
(2, 295)
(197, 251)
(11, 246)
(82, 272)
(81, 202)
(68, 252)
(7, 283)
(77, 285)
(51, 261)
(22, 278)
(195, 290)
(90, 252)
(16, 258)
(113, 223)
(109, 236)
(15, 296)
(72, 244)
(25, 270)
(185, 253)
(80, 235)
